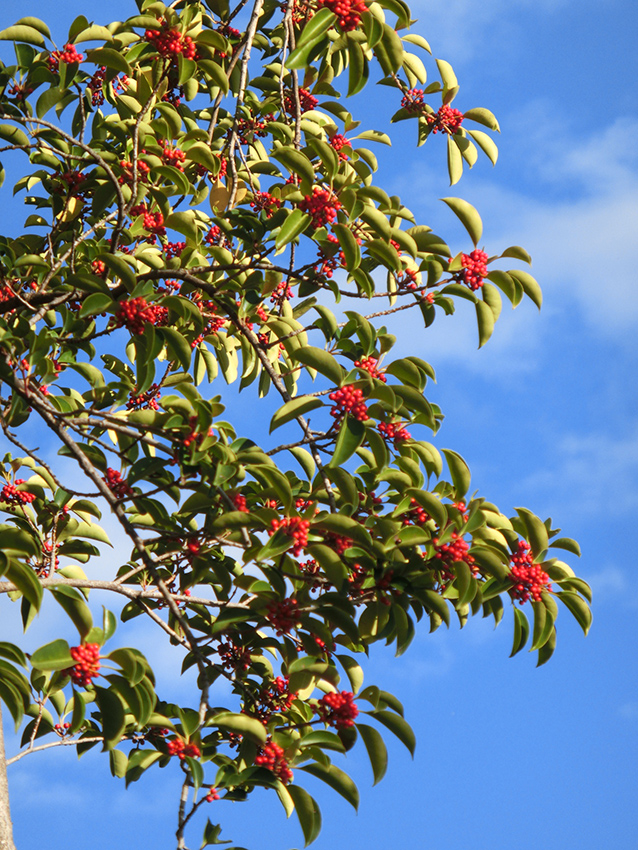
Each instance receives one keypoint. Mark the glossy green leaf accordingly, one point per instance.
(377, 751)
(398, 726)
(336, 779)
(292, 409)
(53, 656)
(321, 360)
(307, 811)
(468, 216)
(459, 471)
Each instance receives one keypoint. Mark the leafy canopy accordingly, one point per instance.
(202, 200)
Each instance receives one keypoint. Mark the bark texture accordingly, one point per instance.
(6, 827)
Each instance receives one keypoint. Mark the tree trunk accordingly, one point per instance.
(6, 827)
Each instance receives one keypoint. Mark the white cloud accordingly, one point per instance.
(601, 468)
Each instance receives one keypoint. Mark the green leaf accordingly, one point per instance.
(567, 544)
(486, 144)
(94, 32)
(530, 286)
(536, 531)
(110, 59)
(346, 526)
(398, 726)
(36, 24)
(293, 408)
(348, 245)
(13, 653)
(316, 28)
(295, 224)
(468, 216)
(26, 581)
(297, 163)
(216, 73)
(321, 360)
(241, 723)
(307, 811)
(578, 607)
(459, 471)
(357, 67)
(178, 347)
(434, 507)
(485, 321)
(53, 656)
(97, 302)
(22, 33)
(521, 631)
(377, 751)
(113, 719)
(351, 434)
(517, 253)
(73, 603)
(305, 460)
(13, 135)
(482, 116)
(454, 161)
(336, 779)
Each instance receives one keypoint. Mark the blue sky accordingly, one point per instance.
(509, 757)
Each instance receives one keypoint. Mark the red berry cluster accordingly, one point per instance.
(283, 615)
(311, 569)
(73, 180)
(248, 128)
(213, 794)
(348, 400)
(276, 698)
(528, 578)
(69, 55)
(416, 515)
(154, 223)
(294, 527)
(172, 155)
(239, 501)
(13, 496)
(348, 12)
(171, 42)
(394, 431)
(182, 750)
(95, 86)
(338, 709)
(144, 401)
(143, 171)
(135, 313)
(474, 269)
(370, 365)
(456, 550)
(337, 542)
(412, 100)
(322, 205)
(19, 92)
(87, 666)
(446, 120)
(406, 280)
(338, 142)
(266, 202)
(233, 656)
(173, 249)
(116, 484)
(307, 101)
(62, 728)
(272, 758)
(98, 267)
(214, 236)
(330, 262)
